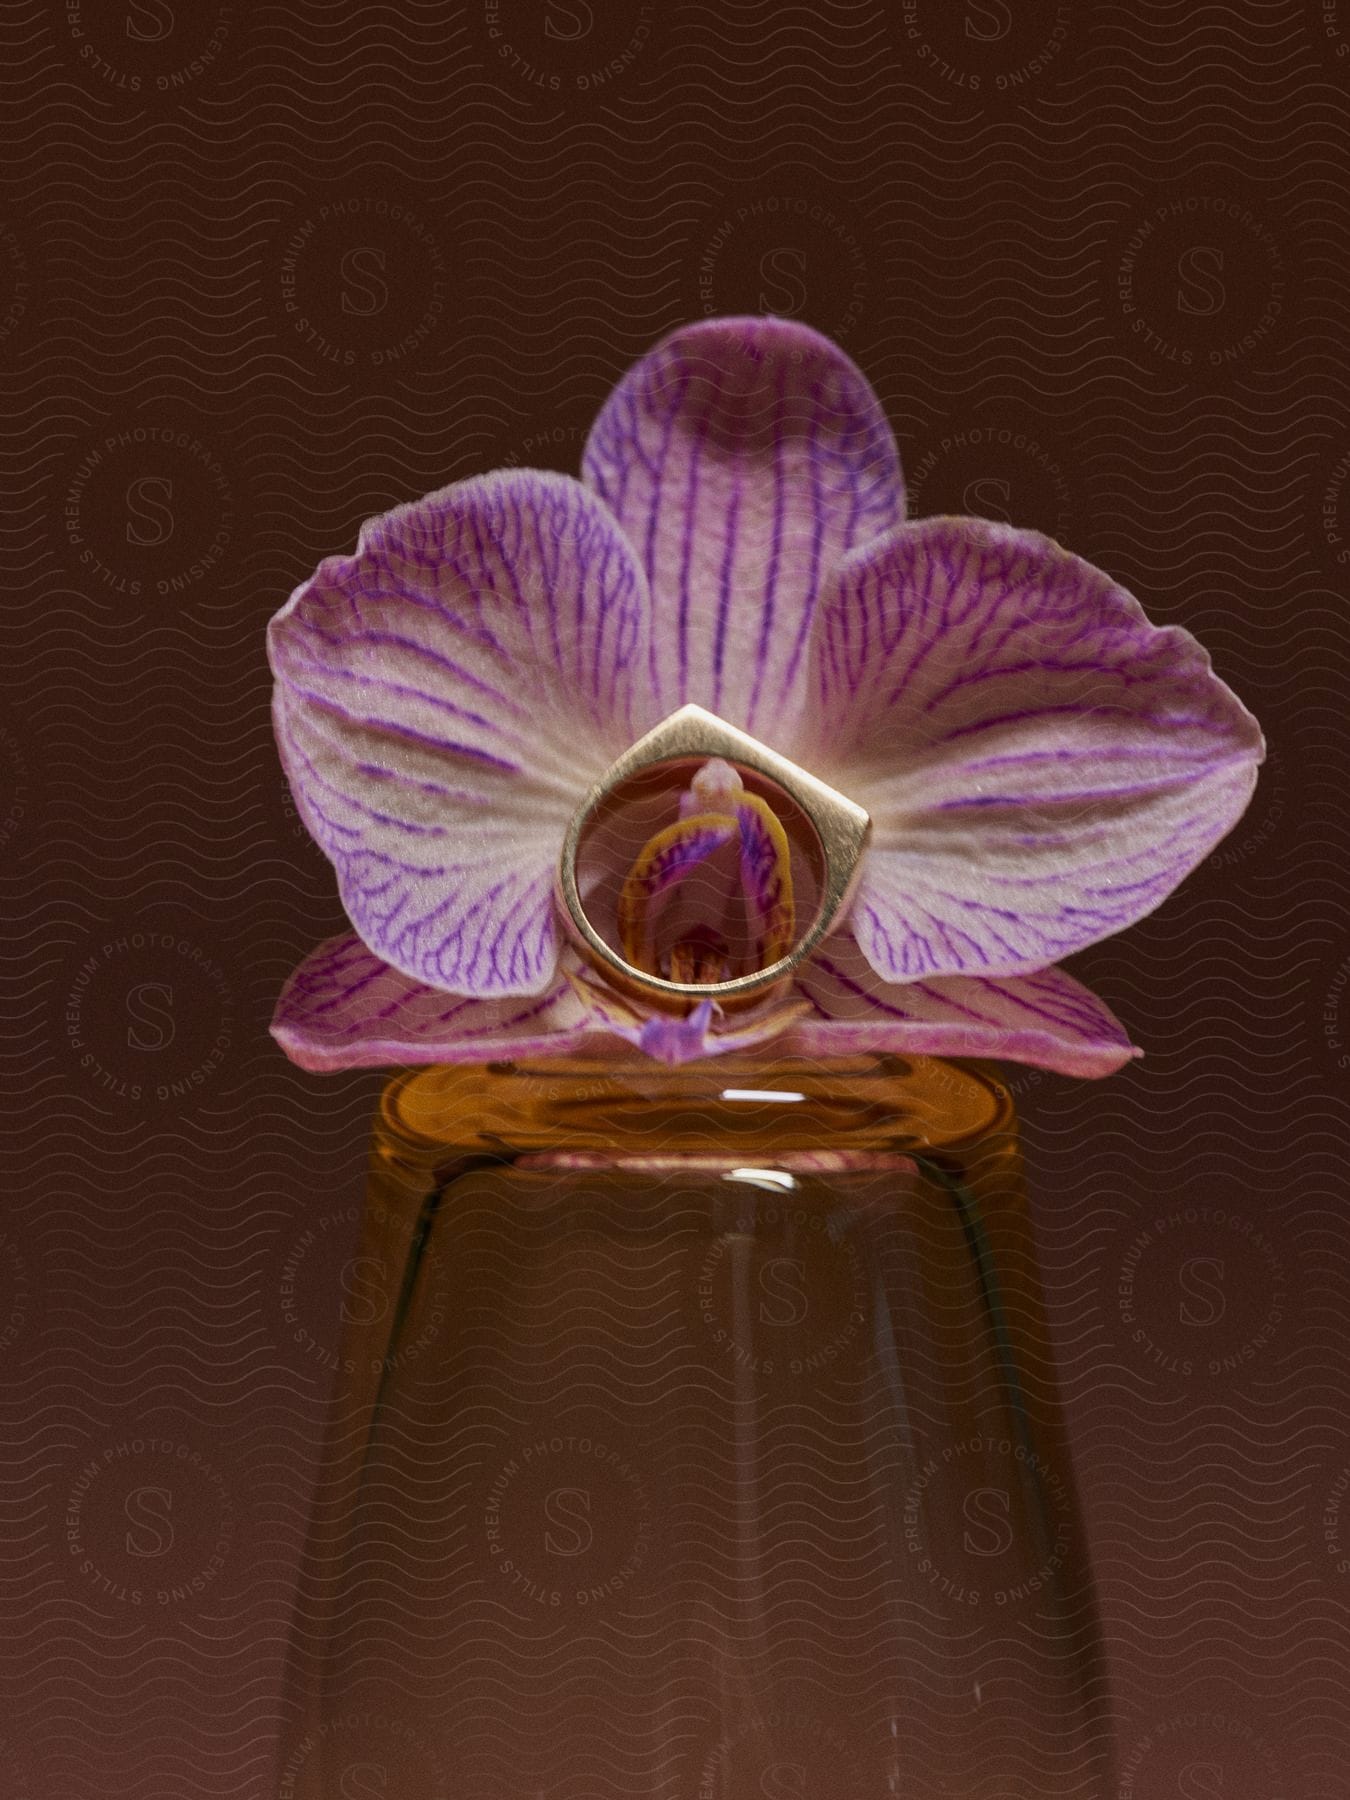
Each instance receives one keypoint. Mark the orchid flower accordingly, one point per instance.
(1041, 765)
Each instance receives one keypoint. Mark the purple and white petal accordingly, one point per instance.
(1048, 1018)
(444, 699)
(344, 1008)
(1042, 765)
(743, 457)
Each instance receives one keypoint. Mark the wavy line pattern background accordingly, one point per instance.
(265, 270)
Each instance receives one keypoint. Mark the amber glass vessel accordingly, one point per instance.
(704, 1446)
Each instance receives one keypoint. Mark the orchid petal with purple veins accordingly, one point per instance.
(444, 699)
(743, 457)
(1041, 764)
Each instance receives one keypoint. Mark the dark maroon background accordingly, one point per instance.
(267, 270)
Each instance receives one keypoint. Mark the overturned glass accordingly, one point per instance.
(707, 1448)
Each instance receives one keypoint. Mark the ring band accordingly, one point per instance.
(692, 734)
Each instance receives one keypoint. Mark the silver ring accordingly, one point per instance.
(692, 734)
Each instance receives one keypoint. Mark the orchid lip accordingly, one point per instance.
(692, 734)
